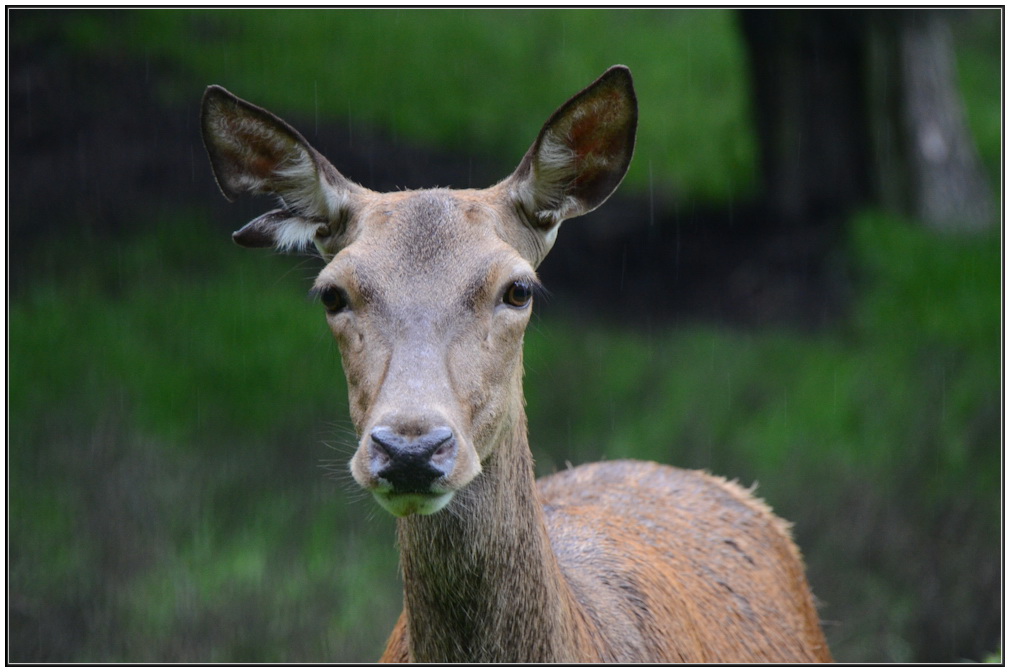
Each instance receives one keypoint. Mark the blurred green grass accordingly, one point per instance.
(980, 76)
(175, 404)
(898, 382)
(185, 384)
(198, 408)
(480, 81)
(374, 68)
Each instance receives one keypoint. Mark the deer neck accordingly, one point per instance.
(481, 581)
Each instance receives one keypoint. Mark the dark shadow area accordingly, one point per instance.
(106, 154)
(92, 145)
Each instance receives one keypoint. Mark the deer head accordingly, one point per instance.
(427, 292)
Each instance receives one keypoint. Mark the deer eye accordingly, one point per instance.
(334, 300)
(518, 294)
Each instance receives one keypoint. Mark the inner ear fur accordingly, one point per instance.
(582, 153)
(252, 150)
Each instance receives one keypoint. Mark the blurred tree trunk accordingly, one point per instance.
(806, 78)
(949, 189)
(854, 107)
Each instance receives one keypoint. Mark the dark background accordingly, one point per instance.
(776, 294)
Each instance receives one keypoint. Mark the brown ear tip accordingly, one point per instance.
(618, 72)
(620, 76)
(216, 91)
(217, 99)
(249, 236)
(212, 104)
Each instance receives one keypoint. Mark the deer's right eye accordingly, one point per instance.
(519, 293)
(334, 300)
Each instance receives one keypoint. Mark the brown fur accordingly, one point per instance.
(656, 564)
(610, 562)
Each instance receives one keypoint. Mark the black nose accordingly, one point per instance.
(412, 464)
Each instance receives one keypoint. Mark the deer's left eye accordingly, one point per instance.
(334, 299)
(518, 294)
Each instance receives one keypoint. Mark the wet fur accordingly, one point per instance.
(609, 562)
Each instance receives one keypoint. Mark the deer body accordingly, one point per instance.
(428, 294)
(638, 563)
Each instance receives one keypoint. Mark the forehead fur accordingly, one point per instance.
(431, 225)
(428, 229)
(440, 235)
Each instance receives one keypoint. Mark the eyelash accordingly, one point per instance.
(333, 299)
(519, 294)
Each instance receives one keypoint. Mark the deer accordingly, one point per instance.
(428, 293)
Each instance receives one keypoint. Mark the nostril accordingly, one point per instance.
(380, 453)
(444, 453)
(443, 448)
(409, 463)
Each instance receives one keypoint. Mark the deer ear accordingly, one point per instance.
(253, 151)
(581, 154)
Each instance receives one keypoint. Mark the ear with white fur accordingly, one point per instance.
(253, 151)
(580, 156)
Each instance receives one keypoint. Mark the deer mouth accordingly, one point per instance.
(409, 471)
(402, 504)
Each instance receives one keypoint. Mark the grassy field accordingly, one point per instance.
(202, 411)
(408, 71)
(177, 415)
